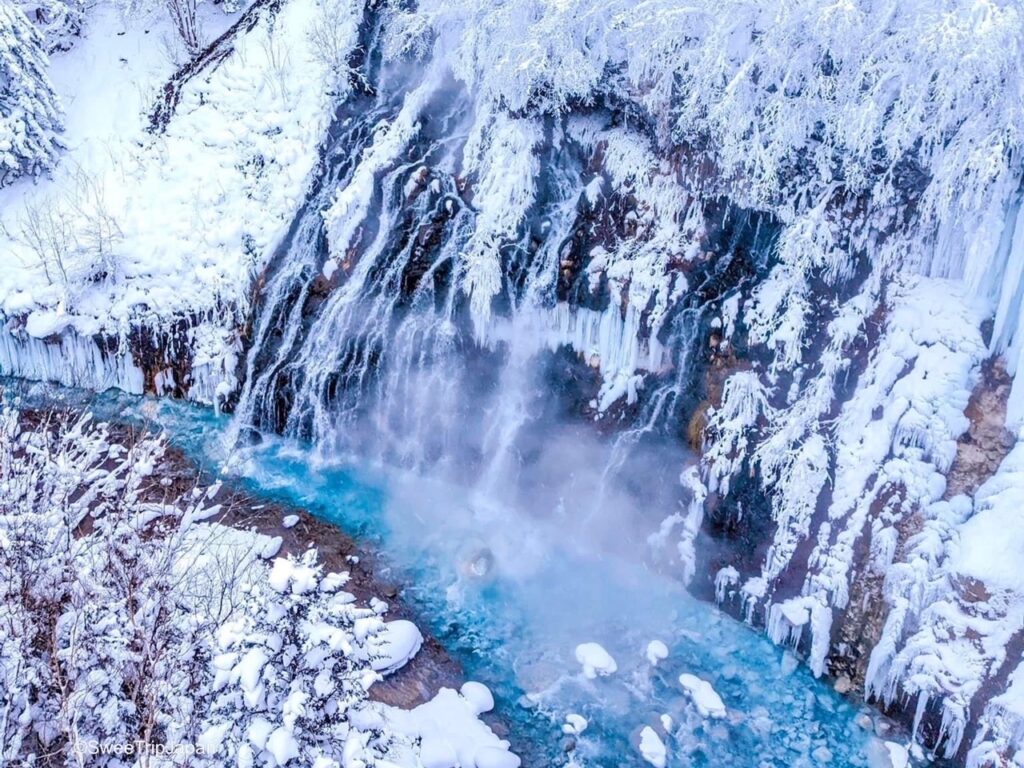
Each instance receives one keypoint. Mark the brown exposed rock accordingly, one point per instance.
(163, 355)
(987, 440)
(697, 425)
(859, 628)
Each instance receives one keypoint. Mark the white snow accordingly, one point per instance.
(290, 521)
(396, 646)
(989, 544)
(574, 724)
(899, 755)
(282, 745)
(271, 547)
(479, 695)
(196, 208)
(652, 748)
(452, 735)
(290, 575)
(703, 695)
(595, 660)
(656, 651)
(216, 557)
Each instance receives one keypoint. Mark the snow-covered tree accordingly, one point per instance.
(30, 113)
(93, 643)
(58, 21)
(292, 675)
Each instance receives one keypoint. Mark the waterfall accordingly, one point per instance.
(368, 336)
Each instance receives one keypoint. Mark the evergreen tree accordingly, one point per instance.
(30, 114)
(58, 21)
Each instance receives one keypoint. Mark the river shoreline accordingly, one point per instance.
(419, 680)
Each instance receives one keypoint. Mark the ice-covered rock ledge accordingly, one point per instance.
(193, 361)
(132, 266)
(892, 563)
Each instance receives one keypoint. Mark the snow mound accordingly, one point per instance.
(574, 724)
(452, 735)
(704, 697)
(479, 695)
(656, 651)
(395, 646)
(652, 748)
(595, 660)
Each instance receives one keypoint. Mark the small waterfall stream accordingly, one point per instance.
(365, 341)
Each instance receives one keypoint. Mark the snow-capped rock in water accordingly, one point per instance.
(656, 651)
(575, 724)
(899, 756)
(652, 748)
(703, 695)
(595, 660)
(433, 232)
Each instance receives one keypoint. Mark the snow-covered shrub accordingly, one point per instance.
(93, 640)
(122, 622)
(30, 114)
(291, 670)
(184, 18)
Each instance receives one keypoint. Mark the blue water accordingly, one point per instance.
(550, 584)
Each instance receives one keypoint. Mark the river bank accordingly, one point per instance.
(290, 530)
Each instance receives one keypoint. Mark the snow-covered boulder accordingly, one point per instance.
(396, 645)
(595, 660)
(703, 695)
(652, 748)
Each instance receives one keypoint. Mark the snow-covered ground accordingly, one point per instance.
(155, 229)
